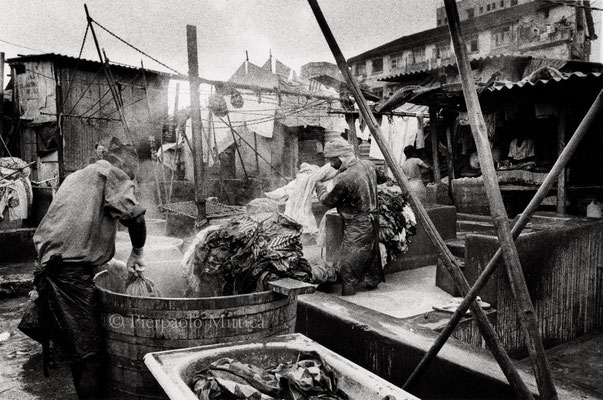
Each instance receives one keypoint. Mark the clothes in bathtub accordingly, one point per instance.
(309, 377)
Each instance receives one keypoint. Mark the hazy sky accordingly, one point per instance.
(225, 29)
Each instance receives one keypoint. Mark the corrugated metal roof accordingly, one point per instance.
(452, 92)
(571, 77)
(83, 63)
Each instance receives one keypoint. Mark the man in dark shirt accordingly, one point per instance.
(355, 195)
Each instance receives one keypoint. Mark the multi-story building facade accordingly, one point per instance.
(539, 28)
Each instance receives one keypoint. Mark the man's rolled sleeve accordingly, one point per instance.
(120, 201)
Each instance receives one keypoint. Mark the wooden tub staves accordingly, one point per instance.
(135, 326)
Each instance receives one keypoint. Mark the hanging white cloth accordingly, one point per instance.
(403, 131)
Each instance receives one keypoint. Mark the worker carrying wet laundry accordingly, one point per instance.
(354, 194)
(76, 236)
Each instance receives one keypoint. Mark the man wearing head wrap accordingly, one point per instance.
(354, 194)
(76, 236)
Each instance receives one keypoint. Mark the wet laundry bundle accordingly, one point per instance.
(309, 377)
(397, 221)
(243, 255)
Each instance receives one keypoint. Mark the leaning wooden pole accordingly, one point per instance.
(555, 173)
(110, 80)
(447, 258)
(197, 126)
(526, 314)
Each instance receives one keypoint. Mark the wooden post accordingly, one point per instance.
(433, 127)
(561, 188)
(197, 125)
(161, 165)
(175, 124)
(233, 130)
(524, 218)
(2, 96)
(234, 139)
(257, 159)
(352, 137)
(450, 160)
(59, 134)
(447, 258)
(526, 314)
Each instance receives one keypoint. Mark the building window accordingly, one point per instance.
(361, 69)
(442, 50)
(502, 36)
(445, 20)
(418, 55)
(488, 7)
(514, 3)
(439, 22)
(481, 9)
(377, 65)
(470, 13)
(493, 6)
(502, 3)
(472, 44)
(546, 13)
(396, 61)
(378, 92)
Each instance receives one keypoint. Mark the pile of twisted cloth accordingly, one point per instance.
(305, 379)
(243, 255)
(397, 221)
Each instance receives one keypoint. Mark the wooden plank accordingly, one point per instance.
(526, 315)
(451, 264)
(291, 287)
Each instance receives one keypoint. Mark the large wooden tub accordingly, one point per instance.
(135, 326)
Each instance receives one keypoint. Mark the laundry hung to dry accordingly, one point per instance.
(244, 254)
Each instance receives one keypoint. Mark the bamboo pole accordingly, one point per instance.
(526, 314)
(2, 98)
(197, 125)
(175, 124)
(110, 81)
(448, 259)
(146, 95)
(450, 160)
(561, 187)
(524, 218)
(234, 139)
(433, 127)
(251, 147)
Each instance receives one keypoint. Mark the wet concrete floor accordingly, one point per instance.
(21, 376)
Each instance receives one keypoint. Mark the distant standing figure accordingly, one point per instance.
(412, 169)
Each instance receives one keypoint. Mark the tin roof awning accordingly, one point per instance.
(544, 81)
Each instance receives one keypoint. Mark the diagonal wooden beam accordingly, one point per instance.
(447, 258)
(588, 121)
(519, 288)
